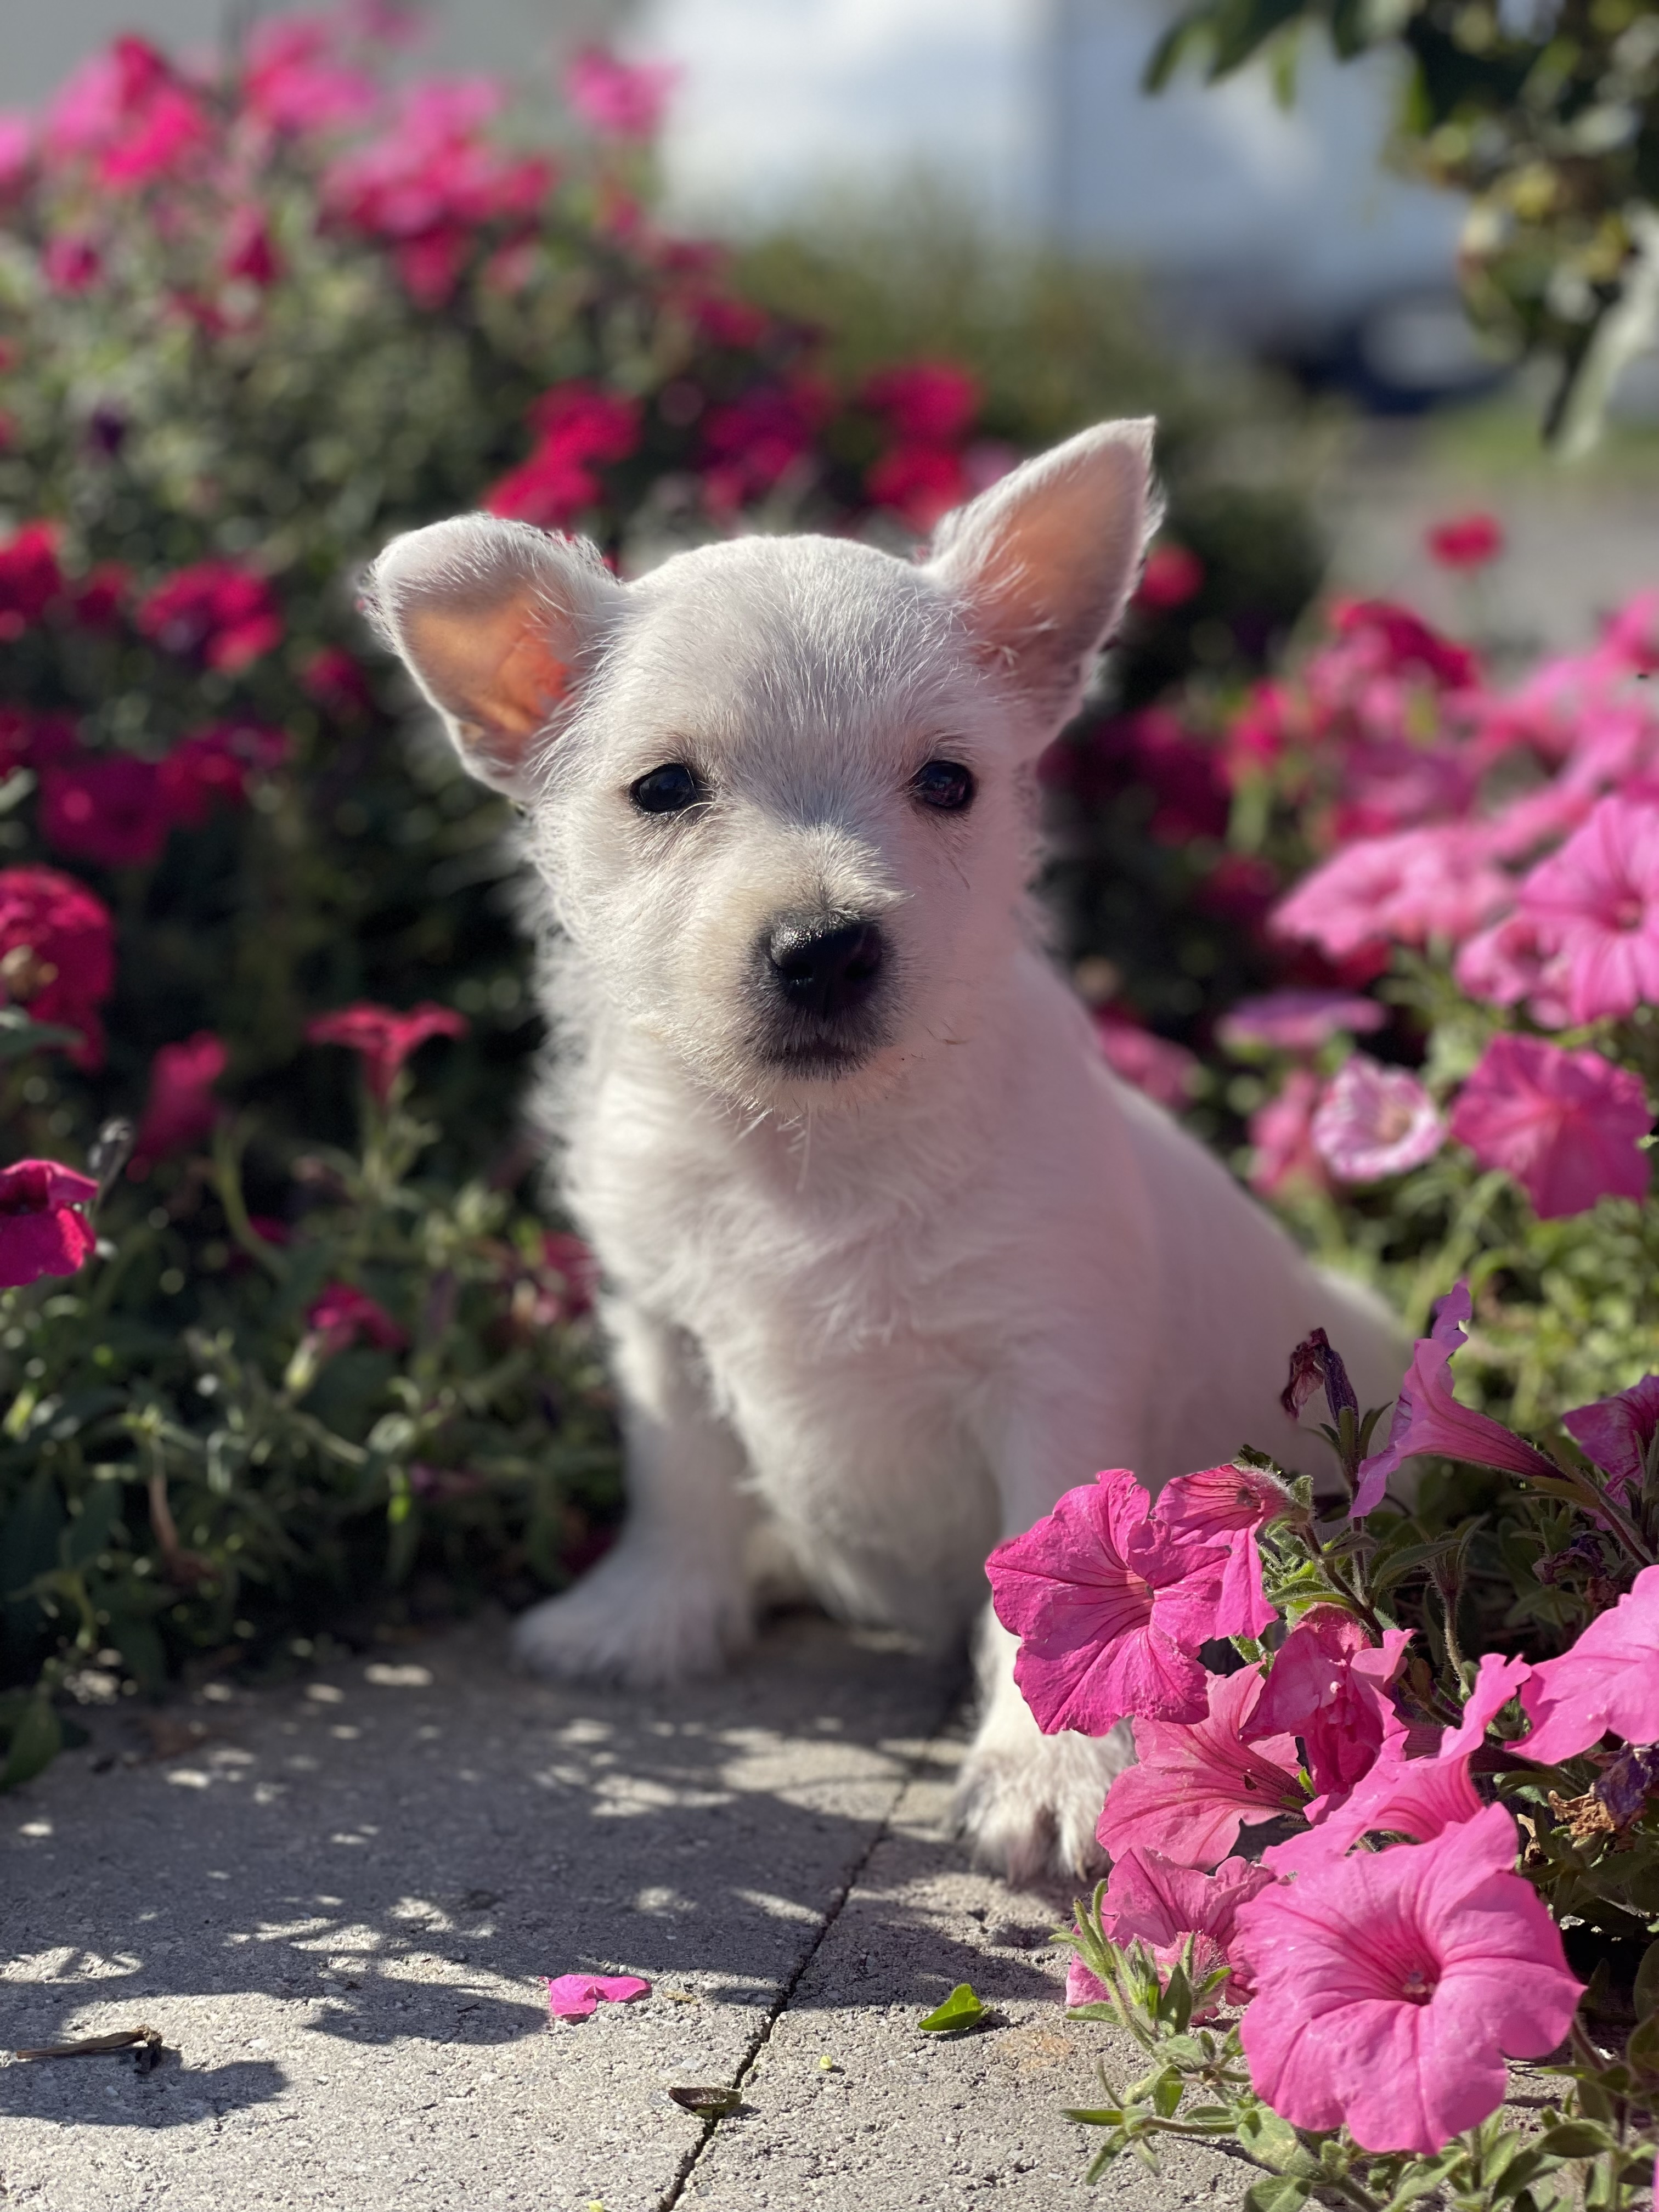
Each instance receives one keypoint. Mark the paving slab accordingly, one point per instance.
(896, 2118)
(336, 1902)
(335, 1907)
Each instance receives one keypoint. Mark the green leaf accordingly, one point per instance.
(1575, 2139)
(36, 1740)
(89, 1532)
(1267, 2138)
(19, 1036)
(1641, 2051)
(1277, 2192)
(1645, 1993)
(962, 2009)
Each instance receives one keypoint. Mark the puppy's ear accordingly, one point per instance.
(499, 625)
(1044, 562)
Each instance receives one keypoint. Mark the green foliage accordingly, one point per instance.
(1548, 117)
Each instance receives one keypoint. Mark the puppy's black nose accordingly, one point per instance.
(825, 968)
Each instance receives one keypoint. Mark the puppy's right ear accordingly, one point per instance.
(499, 625)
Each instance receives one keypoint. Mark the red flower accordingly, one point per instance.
(128, 112)
(42, 1228)
(385, 1037)
(1173, 574)
(72, 262)
(181, 1109)
(577, 426)
(107, 808)
(748, 445)
(920, 483)
(217, 612)
(57, 953)
(618, 99)
(335, 681)
(30, 578)
(99, 596)
(341, 1315)
(248, 253)
(220, 763)
(1466, 541)
(925, 403)
(1405, 643)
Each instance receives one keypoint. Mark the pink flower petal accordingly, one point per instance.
(1194, 1787)
(572, 1997)
(1609, 1679)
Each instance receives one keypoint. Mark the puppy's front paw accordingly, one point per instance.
(1029, 1804)
(638, 1620)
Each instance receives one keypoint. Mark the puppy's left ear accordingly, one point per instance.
(1043, 563)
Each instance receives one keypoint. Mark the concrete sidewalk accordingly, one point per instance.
(335, 1906)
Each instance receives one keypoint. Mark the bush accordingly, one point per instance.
(326, 1369)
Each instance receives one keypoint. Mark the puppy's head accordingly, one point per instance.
(779, 788)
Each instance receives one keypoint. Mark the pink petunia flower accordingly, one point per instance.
(1616, 1434)
(1151, 1901)
(1411, 886)
(385, 1037)
(43, 1230)
(1173, 575)
(221, 764)
(924, 402)
(574, 1996)
(579, 428)
(1609, 1679)
(107, 808)
(1281, 1137)
(1165, 1071)
(1565, 1125)
(31, 580)
(1193, 1788)
(57, 954)
(1391, 1987)
(1297, 1021)
(181, 1109)
(1427, 1418)
(619, 98)
(1375, 1121)
(1110, 1607)
(1327, 1686)
(1226, 1506)
(1466, 541)
(1596, 902)
(1407, 1792)
(340, 1315)
(920, 483)
(1506, 963)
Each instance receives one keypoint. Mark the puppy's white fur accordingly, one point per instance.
(885, 1312)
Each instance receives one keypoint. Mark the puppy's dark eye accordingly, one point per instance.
(944, 784)
(666, 790)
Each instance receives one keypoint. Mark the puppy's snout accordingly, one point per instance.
(825, 968)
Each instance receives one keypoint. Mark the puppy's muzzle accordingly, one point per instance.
(820, 977)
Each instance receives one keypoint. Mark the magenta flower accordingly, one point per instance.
(1327, 1685)
(574, 1996)
(340, 1315)
(217, 612)
(1616, 1434)
(1506, 963)
(1428, 1418)
(1151, 1901)
(1466, 541)
(1391, 1987)
(1193, 1788)
(1405, 1793)
(42, 1231)
(579, 428)
(218, 764)
(181, 1109)
(924, 402)
(1375, 1121)
(1298, 1021)
(57, 954)
(1565, 1124)
(1224, 1506)
(1163, 1071)
(107, 808)
(1110, 1607)
(1596, 902)
(618, 99)
(1281, 1137)
(385, 1037)
(1609, 1679)
(1173, 575)
(31, 581)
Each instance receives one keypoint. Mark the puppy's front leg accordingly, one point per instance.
(672, 1598)
(1029, 1803)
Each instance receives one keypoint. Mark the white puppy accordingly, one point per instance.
(891, 1260)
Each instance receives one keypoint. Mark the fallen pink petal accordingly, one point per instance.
(574, 1996)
